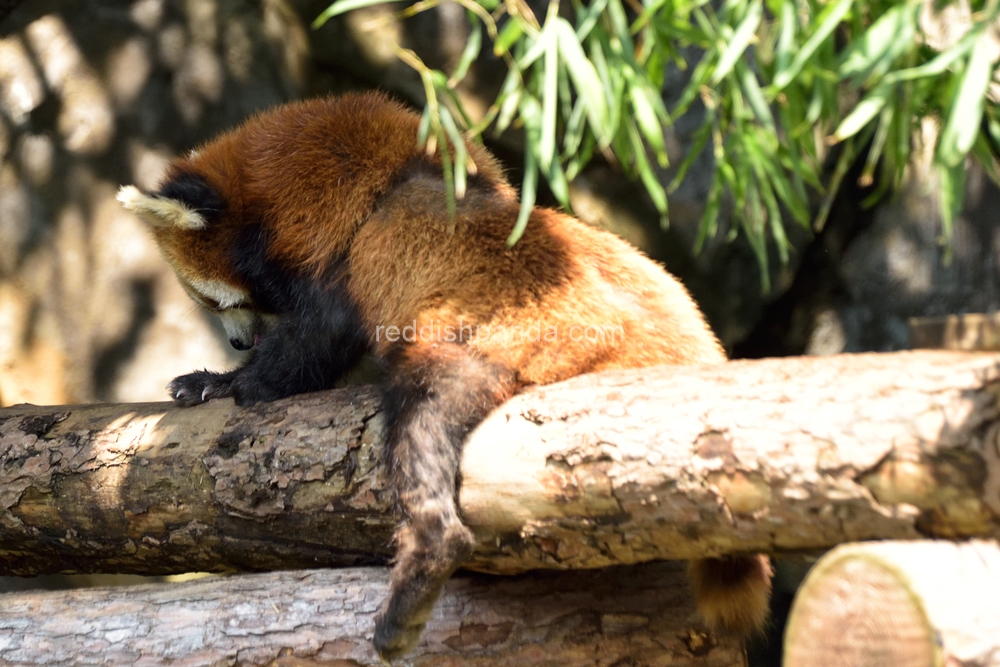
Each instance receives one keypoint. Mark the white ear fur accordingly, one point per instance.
(159, 211)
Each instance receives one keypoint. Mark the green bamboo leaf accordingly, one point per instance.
(509, 34)
(508, 99)
(866, 109)
(993, 125)
(938, 65)
(755, 96)
(550, 100)
(620, 27)
(827, 21)
(694, 152)
(556, 179)
(647, 117)
(581, 157)
(653, 185)
(984, 156)
(529, 188)
(709, 225)
(342, 7)
(709, 28)
(617, 110)
(786, 37)
(423, 129)
(461, 153)
(650, 11)
(507, 110)
(844, 163)
(698, 79)
(575, 126)
(585, 79)
(531, 115)
(952, 180)
(755, 234)
(774, 220)
(877, 146)
(967, 109)
(469, 54)
(447, 169)
(538, 48)
(739, 41)
(589, 18)
(862, 54)
(769, 171)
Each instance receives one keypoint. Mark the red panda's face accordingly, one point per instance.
(192, 240)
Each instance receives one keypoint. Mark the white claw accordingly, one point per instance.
(204, 393)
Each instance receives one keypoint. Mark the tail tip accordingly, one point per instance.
(733, 593)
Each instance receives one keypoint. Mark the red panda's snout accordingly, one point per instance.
(244, 326)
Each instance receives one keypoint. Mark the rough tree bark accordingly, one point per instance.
(617, 616)
(913, 604)
(772, 455)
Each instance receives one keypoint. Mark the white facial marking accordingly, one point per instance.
(160, 211)
(223, 294)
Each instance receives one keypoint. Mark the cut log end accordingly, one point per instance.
(858, 612)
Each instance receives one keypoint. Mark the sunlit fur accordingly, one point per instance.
(327, 222)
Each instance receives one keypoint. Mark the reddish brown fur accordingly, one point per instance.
(343, 180)
(312, 171)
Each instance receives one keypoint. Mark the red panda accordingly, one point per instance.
(319, 232)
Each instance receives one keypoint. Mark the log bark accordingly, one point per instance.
(912, 604)
(626, 467)
(616, 616)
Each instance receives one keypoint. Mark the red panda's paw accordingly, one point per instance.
(733, 593)
(199, 387)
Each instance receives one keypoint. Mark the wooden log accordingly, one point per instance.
(906, 604)
(626, 467)
(619, 616)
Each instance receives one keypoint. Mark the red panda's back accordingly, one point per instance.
(566, 299)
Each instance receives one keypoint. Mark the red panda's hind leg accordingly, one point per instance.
(435, 396)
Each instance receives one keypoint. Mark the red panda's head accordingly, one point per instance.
(188, 219)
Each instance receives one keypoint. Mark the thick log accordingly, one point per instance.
(617, 616)
(913, 604)
(659, 463)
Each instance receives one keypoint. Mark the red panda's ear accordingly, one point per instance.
(160, 211)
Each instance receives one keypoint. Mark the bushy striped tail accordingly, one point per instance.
(732, 593)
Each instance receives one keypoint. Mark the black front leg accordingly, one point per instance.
(200, 386)
(309, 349)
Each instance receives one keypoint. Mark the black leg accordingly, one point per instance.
(308, 349)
